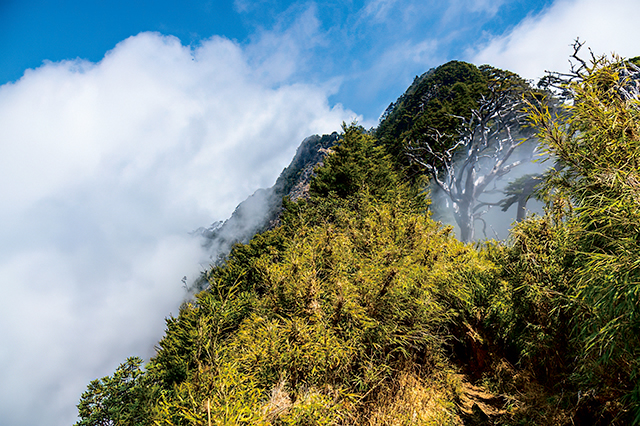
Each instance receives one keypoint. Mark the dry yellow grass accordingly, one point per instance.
(412, 400)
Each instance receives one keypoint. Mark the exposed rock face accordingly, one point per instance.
(294, 180)
(261, 211)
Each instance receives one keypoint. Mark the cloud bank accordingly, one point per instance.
(543, 42)
(106, 167)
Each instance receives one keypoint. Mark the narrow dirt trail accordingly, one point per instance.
(478, 406)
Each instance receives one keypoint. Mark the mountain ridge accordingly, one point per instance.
(354, 307)
(261, 210)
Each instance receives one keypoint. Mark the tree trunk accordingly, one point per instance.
(464, 218)
(522, 209)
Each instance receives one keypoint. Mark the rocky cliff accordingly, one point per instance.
(261, 210)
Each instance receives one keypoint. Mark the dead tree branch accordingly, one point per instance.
(483, 153)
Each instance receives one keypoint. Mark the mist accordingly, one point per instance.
(495, 223)
(106, 169)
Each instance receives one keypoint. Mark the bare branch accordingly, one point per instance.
(481, 154)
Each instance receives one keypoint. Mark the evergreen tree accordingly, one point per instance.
(123, 399)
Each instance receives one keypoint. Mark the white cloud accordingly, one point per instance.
(399, 59)
(378, 9)
(106, 167)
(279, 53)
(478, 10)
(243, 6)
(490, 7)
(543, 42)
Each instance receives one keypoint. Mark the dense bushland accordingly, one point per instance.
(360, 309)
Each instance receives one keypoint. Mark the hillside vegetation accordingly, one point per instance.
(359, 309)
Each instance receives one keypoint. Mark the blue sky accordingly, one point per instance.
(387, 42)
(124, 125)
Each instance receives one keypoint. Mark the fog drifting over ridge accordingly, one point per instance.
(106, 168)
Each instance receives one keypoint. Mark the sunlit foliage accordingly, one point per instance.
(598, 148)
(360, 309)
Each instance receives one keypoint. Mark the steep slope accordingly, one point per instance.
(359, 309)
(261, 210)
